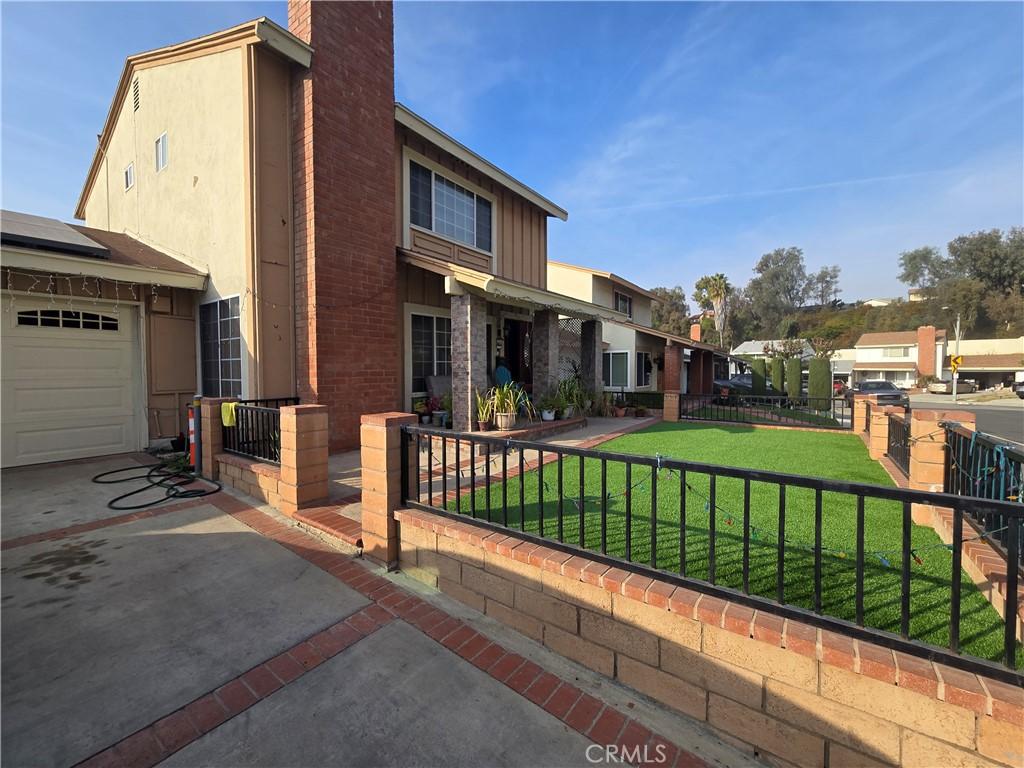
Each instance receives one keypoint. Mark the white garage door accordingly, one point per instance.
(70, 382)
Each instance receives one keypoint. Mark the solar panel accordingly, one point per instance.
(40, 232)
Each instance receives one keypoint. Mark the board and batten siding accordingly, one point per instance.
(520, 244)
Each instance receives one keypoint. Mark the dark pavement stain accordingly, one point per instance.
(66, 566)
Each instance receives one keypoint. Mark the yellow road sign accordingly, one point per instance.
(955, 362)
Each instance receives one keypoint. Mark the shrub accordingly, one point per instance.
(819, 379)
(778, 375)
(794, 377)
(757, 377)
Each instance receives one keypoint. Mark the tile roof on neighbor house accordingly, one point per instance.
(892, 338)
(1009, 362)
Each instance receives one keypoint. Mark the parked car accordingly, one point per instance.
(945, 386)
(1018, 387)
(887, 392)
(742, 384)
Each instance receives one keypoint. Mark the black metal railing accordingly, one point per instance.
(977, 464)
(839, 555)
(898, 448)
(825, 412)
(867, 415)
(256, 433)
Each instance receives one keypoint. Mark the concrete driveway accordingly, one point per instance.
(212, 633)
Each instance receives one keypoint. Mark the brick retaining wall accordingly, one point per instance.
(780, 688)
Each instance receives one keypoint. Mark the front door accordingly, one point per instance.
(519, 351)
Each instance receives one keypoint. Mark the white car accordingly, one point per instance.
(945, 386)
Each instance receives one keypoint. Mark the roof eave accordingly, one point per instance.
(406, 117)
(69, 264)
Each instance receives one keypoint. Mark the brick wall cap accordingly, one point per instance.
(388, 419)
(304, 410)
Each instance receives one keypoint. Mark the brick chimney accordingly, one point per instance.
(343, 165)
(926, 350)
(695, 332)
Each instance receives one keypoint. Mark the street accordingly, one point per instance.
(1003, 418)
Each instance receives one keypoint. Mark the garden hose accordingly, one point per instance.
(171, 475)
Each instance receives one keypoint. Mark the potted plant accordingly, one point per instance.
(422, 409)
(549, 405)
(640, 411)
(619, 406)
(446, 407)
(506, 401)
(437, 412)
(484, 404)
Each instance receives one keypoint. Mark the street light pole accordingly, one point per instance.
(956, 353)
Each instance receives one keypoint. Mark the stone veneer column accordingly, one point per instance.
(590, 356)
(381, 466)
(469, 357)
(303, 457)
(545, 352)
(212, 435)
(928, 454)
(673, 370)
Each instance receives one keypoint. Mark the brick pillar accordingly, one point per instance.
(343, 179)
(673, 371)
(860, 412)
(928, 454)
(303, 457)
(926, 350)
(545, 352)
(469, 357)
(381, 460)
(212, 434)
(590, 356)
(878, 441)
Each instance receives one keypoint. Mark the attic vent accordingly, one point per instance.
(135, 95)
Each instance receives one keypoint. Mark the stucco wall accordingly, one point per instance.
(570, 282)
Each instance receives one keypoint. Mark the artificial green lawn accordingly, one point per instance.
(839, 456)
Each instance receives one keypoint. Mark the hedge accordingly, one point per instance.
(794, 377)
(758, 376)
(779, 375)
(819, 379)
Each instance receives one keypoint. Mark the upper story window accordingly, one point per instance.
(161, 152)
(450, 210)
(896, 352)
(129, 177)
(624, 304)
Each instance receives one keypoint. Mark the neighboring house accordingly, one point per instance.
(878, 302)
(842, 363)
(901, 357)
(755, 350)
(633, 351)
(336, 246)
(990, 362)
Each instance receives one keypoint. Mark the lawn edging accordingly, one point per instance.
(778, 685)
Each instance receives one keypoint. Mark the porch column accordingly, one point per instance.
(469, 357)
(672, 369)
(590, 355)
(545, 352)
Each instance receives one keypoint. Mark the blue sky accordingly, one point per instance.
(683, 138)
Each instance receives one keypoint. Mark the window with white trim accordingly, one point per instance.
(220, 346)
(448, 209)
(896, 352)
(161, 152)
(624, 304)
(129, 177)
(431, 345)
(615, 369)
(644, 367)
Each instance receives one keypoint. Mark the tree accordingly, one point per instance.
(758, 374)
(925, 267)
(962, 296)
(712, 292)
(794, 376)
(994, 260)
(779, 286)
(1006, 310)
(670, 312)
(823, 285)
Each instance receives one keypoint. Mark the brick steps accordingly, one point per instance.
(328, 519)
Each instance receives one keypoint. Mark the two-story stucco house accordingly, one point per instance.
(901, 357)
(633, 351)
(338, 247)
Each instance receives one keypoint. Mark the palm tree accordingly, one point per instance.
(712, 292)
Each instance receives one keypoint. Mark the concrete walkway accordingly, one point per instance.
(215, 633)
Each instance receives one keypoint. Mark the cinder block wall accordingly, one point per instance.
(791, 693)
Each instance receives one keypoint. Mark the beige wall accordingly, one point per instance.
(519, 247)
(223, 202)
(990, 346)
(571, 282)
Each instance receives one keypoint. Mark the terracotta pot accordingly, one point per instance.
(619, 412)
(483, 426)
(505, 421)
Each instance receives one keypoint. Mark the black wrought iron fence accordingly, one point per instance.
(867, 416)
(839, 555)
(982, 465)
(256, 432)
(825, 412)
(898, 448)
(648, 400)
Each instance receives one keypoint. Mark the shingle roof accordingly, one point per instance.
(892, 338)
